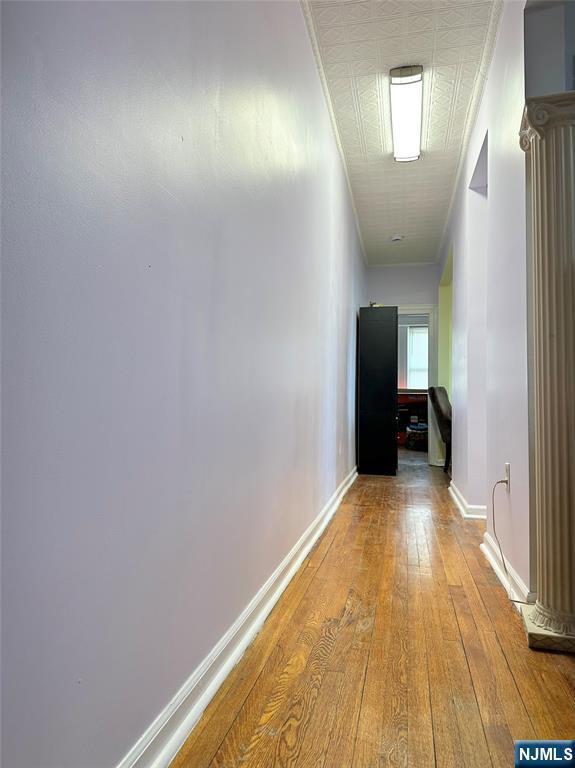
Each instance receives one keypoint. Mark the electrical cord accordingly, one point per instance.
(521, 602)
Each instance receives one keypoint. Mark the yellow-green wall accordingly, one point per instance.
(445, 325)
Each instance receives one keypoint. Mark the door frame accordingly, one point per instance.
(435, 450)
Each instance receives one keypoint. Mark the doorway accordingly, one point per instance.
(412, 383)
(418, 435)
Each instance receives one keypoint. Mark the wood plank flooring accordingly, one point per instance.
(394, 645)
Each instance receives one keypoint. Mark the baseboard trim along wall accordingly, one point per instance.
(516, 588)
(469, 511)
(158, 746)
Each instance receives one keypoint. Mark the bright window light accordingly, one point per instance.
(406, 107)
(417, 357)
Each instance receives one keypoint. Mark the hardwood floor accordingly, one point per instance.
(394, 645)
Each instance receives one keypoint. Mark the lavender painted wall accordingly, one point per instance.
(505, 296)
(181, 274)
(468, 239)
(477, 211)
(403, 285)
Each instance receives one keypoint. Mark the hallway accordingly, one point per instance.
(249, 250)
(393, 645)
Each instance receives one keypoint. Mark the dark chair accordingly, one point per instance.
(442, 410)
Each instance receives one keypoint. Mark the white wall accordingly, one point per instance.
(181, 274)
(405, 285)
(505, 342)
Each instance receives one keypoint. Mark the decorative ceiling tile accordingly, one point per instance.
(343, 69)
(448, 56)
(420, 23)
(365, 67)
(356, 43)
(479, 14)
(453, 17)
(377, 30)
(333, 36)
(351, 12)
(472, 53)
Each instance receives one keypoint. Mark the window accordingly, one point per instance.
(412, 351)
(417, 357)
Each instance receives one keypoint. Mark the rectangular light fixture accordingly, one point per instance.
(406, 90)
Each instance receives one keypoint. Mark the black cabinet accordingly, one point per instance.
(377, 391)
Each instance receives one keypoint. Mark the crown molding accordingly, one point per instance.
(488, 51)
(304, 4)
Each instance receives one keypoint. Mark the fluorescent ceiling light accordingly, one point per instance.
(406, 106)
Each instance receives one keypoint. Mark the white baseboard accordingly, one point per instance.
(469, 511)
(158, 746)
(516, 587)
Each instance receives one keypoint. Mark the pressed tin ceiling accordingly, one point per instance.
(356, 44)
